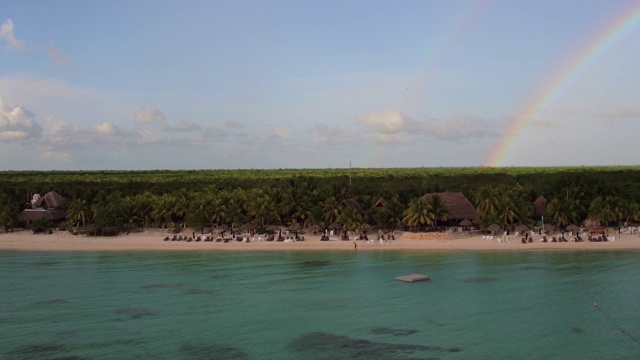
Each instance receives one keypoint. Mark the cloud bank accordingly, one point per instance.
(11, 42)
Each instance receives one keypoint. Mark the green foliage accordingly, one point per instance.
(208, 198)
(107, 217)
(42, 225)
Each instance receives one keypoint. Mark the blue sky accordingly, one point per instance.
(310, 84)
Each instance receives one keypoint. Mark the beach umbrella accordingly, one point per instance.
(246, 227)
(294, 227)
(571, 227)
(466, 222)
(273, 228)
(335, 226)
(494, 228)
(522, 228)
(315, 227)
(365, 226)
(222, 227)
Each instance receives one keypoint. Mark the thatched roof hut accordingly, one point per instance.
(50, 206)
(495, 228)
(457, 204)
(380, 204)
(540, 207)
(50, 200)
(29, 215)
(354, 205)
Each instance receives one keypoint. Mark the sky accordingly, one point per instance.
(140, 85)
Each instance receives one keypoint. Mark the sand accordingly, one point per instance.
(152, 240)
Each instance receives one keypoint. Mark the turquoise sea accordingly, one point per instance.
(319, 305)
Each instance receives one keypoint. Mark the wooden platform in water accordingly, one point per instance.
(413, 278)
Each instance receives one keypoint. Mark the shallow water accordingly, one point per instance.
(319, 305)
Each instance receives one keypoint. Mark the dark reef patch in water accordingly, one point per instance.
(325, 346)
(51, 302)
(312, 264)
(577, 330)
(47, 263)
(534, 267)
(157, 286)
(134, 313)
(394, 332)
(212, 351)
(48, 351)
(199, 292)
(479, 280)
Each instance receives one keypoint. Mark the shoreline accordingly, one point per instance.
(152, 240)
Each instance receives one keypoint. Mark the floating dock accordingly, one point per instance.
(413, 278)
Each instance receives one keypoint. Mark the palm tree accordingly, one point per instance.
(218, 211)
(418, 213)
(600, 210)
(563, 211)
(8, 212)
(487, 201)
(437, 210)
(349, 219)
(77, 212)
(262, 208)
(129, 213)
(331, 209)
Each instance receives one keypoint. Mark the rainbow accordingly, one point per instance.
(567, 74)
(464, 16)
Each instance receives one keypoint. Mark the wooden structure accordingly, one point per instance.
(413, 278)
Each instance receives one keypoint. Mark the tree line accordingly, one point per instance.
(130, 200)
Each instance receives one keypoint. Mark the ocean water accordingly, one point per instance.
(319, 305)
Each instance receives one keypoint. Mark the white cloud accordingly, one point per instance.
(149, 115)
(105, 128)
(57, 56)
(11, 42)
(618, 113)
(334, 135)
(283, 132)
(233, 125)
(50, 153)
(458, 127)
(214, 133)
(388, 121)
(149, 137)
(54, 125)
(184, 126)
(17, 123)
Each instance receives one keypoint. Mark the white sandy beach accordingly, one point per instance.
(152, 240)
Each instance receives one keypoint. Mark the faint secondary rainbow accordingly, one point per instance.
(441, 44)
(562, 79)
